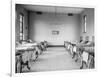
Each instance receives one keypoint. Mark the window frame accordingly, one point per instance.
(84, 23)
(21, 27)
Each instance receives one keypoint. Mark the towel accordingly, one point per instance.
(74, 49)
(85, 56)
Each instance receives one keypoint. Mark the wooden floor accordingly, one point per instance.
(55, 58)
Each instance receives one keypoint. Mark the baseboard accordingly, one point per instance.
(55, 45)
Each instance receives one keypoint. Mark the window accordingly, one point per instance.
(84, 23)
(21, 26)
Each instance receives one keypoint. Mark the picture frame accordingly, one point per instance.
(54, 32)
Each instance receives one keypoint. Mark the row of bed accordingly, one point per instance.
(26, 52)
(82, 51)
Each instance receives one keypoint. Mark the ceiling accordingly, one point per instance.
(53, 9)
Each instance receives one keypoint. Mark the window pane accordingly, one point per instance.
(84, 23)
(21, 18)
(21, 27)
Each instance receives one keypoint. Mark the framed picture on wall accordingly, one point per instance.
(54, 32)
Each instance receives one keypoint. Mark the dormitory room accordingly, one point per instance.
(53, 38)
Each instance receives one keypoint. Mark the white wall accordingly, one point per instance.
(41, 27)
(90, 23)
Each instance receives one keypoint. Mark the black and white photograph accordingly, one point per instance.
(50, 38)
(53, 38)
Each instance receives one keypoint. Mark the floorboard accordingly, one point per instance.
(55, 58)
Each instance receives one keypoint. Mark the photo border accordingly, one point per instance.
(13, 74)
